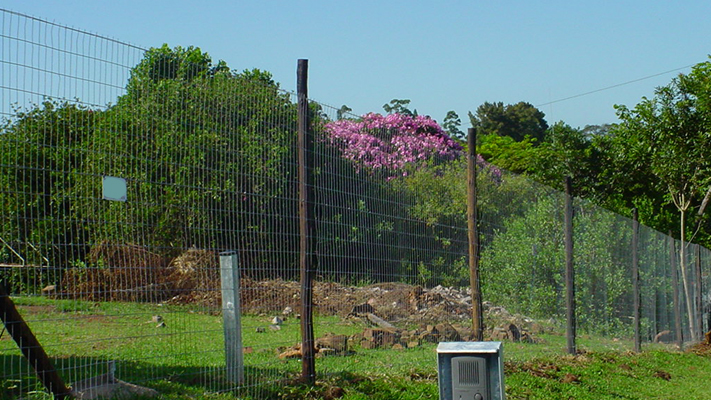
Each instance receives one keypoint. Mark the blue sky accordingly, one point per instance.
(446, 55)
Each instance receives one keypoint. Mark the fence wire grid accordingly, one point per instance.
(133, 181)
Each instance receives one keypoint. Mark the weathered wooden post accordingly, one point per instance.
(569, 267)
(477, 317)
(307, 226)
(636, 313)
(31, 347)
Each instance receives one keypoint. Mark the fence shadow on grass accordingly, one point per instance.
(19, 381)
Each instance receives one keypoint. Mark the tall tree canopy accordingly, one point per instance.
(669, 135)
(517, 121)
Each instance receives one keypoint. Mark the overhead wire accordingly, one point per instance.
(614, 86)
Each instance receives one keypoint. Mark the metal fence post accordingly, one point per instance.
(569, 267)
(307, 226)
(477, 317)
(229, 277)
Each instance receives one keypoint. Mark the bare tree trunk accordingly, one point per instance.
(685, 279)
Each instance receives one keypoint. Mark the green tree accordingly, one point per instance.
(669, 134)
(204, 151)
(42, 153)
(399, 106)
(568, 152)
(451, 125)
(517, 121)
(505, 152)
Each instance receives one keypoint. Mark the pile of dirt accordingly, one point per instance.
(132, 273)
(703, 348)
(193, 277)
(116, 273)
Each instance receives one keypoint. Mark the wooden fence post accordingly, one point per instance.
(307, 226)
(31, 347)
(477, 317)
(636, 313)
(569, 268)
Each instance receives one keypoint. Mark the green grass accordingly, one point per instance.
(185, 360)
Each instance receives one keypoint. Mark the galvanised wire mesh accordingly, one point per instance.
(133, 179)
(523, 267)
(124, 174)
(392, 271)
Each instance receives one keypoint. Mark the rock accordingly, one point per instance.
(290, 353)
(380, 337)
(287, 311)
(275, 327)
(338, 343)
(260, 329)
(361, 310)
(157, 318)
(325, 352)
(448, 333)
(514, 334)
(277, 321)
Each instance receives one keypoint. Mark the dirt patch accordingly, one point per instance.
(116, 273)
(132, 273)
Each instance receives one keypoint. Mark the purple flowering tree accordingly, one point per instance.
(394, 143)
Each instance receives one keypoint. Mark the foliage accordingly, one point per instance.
(183, 137)
(508, 154)
(42, 153)
(521, 268)
(517, 121)
(668, 135)
(568, 152)
(399, 106)
(523, 264)
(451, 125)
(393, 143)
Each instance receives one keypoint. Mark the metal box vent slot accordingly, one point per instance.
(469, 378)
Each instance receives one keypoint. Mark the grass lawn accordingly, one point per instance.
(185, 359)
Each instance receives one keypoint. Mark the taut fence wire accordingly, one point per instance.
(150, 233)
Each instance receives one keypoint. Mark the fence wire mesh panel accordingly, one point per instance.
(124, 174)
(522, 261)
(392, 272)
(150, 232)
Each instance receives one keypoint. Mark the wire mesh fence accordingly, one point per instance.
(149, 232)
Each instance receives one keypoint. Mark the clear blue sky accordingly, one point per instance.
(446, 55)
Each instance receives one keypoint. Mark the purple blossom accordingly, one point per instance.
(392, 143)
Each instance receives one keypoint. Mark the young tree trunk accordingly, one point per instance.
(685, 279)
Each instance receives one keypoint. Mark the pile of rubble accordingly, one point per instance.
(379, 333)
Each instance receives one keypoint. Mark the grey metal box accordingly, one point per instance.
(470, 371)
